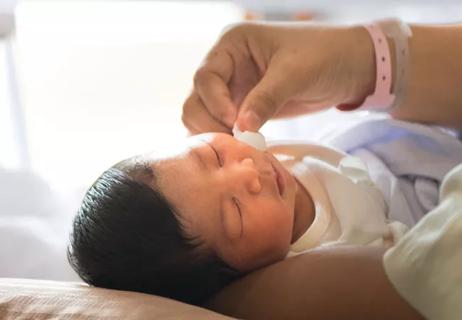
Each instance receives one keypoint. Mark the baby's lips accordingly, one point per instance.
(254, 139)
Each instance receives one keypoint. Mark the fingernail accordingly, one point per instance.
(252, 121)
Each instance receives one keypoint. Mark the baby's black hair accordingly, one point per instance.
(127, 236)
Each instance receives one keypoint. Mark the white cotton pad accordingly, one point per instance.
(255, 139)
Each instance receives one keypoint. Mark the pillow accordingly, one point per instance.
(40, 299)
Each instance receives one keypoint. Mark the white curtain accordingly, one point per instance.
(79, 91)
(31, 230)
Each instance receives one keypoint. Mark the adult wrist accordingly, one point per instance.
(362, 68)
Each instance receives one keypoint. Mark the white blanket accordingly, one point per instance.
(407, 161)
(426, 264)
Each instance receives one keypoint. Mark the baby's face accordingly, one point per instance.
(239, 201)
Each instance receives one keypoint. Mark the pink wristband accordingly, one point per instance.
(382, 98)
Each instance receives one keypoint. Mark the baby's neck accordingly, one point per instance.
(304, 212)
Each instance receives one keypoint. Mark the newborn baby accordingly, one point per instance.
(185, 223)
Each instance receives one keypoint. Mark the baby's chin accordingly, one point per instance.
(269, 261)
(248, 264)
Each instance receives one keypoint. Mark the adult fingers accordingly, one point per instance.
(265, 99)
(197, 119)
(211, 84)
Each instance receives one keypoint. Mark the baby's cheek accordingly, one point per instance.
(279, 224)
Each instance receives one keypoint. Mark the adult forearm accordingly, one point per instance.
(434, 86)
(328, 283)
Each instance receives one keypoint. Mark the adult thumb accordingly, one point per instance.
(262, 102)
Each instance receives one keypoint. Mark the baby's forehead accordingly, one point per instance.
(169, 158)
(210, 137)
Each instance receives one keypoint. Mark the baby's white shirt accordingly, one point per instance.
(349, 208)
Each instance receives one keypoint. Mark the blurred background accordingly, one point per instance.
(84, 84)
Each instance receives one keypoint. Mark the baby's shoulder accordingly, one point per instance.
(298, 150)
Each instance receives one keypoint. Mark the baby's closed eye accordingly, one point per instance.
(232, 219)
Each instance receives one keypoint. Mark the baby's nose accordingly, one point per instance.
(248, 162)
(252, 175)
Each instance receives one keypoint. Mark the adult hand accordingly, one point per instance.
(259, 71)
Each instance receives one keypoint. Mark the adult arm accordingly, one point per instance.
(260, 71)
(342, 282)
(434, 87)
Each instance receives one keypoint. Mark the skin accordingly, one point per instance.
(256, 72)
(352, 275)
(227, 195)
(339, 282)
(259, 71)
